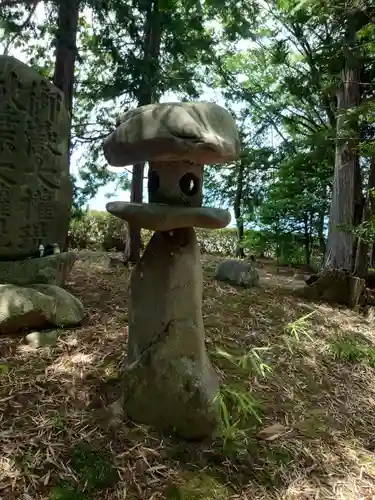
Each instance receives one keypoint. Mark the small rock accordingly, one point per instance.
(272, 432)
(42, 339)
(116, 263)
(301, 276)
(237, 272)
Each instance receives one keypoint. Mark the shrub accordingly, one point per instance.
(97, 230)
(100, 230)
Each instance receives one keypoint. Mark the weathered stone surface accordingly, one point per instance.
(169, 382)
(69, 310)
(22, 308)
(199, 132)
(158, 217)
(37, 307)
(35, 187)
(335, 286)
(46, 338)
(237, 272)
(53, 270)
(175, 183)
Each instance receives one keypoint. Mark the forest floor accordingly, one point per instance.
(305, 432)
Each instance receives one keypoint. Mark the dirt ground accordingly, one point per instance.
(298, 383)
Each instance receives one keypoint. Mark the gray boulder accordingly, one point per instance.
(52, 270)
(237, 272)
(22, 308)
(38, 307)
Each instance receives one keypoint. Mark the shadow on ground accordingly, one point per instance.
(320, 391)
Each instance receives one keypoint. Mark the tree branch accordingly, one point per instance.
(14, 3)
(21, 28)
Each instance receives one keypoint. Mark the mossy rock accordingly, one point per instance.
(197, 486)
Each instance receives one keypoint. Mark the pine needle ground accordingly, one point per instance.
(297, 400)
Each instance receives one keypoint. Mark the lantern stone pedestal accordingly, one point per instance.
(169, 382)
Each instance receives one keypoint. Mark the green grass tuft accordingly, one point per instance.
(93, 466)
(350, 350)
(197, 487)
(67, 492)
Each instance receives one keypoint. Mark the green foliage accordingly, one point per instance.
(297, 331)
(197, 487)
(67, 492)
(299, 328)
(94, 466)
(239, 410)
(352, 350)
(250, 361)
(218, 242)
(94, 229)
(278, 66)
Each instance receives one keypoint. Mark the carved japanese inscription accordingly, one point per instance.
(35, 187)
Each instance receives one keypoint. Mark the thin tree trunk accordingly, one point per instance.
(322, 241)
(362, 261)
(307, 239)
(237, 211)
(147, 91)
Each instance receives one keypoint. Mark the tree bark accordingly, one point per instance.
(307, 239)
(147, 95)
(66, 50)
(362, 261)
(345, 184)
(65, 59)
(237, 210)
(336, 282)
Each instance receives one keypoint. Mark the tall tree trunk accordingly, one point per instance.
(66, 49)
(237, 210)
(362, 260)
(336, 283)
(346, 178)
(65, 59)
(147, 91)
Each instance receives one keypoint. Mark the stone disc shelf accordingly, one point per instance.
(159, 217)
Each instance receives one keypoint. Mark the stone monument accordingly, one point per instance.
(35, 187)
(35, 202)
(169, 382)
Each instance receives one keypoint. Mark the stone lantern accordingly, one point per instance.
(169, 381)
